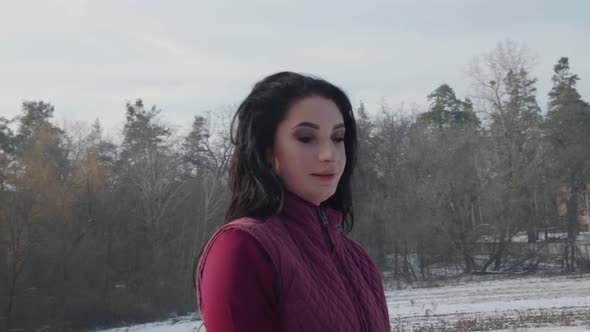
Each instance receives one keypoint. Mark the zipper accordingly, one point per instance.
(360, 313)
(325, 225)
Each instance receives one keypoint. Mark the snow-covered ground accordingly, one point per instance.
(558, 303)
(523, 237)
(488, 304)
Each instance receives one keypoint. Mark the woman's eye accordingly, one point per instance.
(309, 139)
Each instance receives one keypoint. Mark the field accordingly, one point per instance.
(495, 303)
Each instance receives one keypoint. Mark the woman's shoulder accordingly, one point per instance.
(259, 228)
(232, 252)
(236, 243)
(266, 234)
(251, 223)
(236, 267)
(244, 221)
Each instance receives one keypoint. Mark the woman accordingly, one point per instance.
(282, 262)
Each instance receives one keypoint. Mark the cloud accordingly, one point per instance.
(90, 57)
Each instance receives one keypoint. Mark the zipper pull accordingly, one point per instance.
(324, 218)
(327, 231)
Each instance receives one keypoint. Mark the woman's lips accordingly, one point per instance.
(325, 176)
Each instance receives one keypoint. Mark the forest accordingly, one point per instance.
(96, 231)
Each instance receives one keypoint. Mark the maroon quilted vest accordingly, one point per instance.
(327, 281)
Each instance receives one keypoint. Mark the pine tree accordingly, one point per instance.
(446, 110)
(567, 128)
(142, 130)
(196, 149)
(365, 182)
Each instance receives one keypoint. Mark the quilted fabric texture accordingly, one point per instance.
(327, 281)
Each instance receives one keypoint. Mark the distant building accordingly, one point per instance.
(583, 206)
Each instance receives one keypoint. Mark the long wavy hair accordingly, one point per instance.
(256, 191)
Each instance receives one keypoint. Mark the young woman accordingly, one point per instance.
(282, 261)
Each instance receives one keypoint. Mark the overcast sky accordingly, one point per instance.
(88, 58)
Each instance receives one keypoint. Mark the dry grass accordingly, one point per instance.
(507, 320)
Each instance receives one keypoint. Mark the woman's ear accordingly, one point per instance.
(271, 160)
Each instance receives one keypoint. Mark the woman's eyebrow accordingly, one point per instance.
(308, 124)
(340, 125)
(315, 126)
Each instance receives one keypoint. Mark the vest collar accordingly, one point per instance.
(300, 210)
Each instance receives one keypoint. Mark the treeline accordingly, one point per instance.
(434, 189)
(94, 232)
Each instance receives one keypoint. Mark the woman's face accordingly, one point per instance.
(308, 154)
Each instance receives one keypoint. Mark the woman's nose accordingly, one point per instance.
(327, 151)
